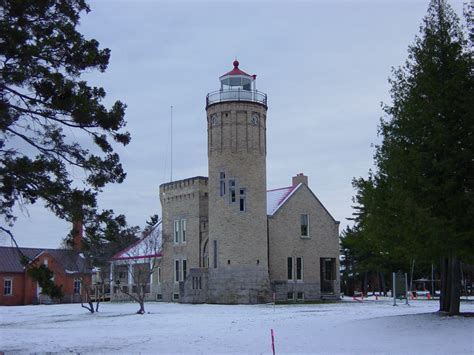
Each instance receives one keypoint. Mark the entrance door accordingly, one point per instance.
(328, 274)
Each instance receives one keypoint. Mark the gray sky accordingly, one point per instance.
(323, 64)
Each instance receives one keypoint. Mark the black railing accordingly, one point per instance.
(236, 95)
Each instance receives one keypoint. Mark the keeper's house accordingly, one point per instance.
(18, 288)
(70, 271)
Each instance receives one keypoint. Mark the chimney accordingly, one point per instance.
(77, 231)
(300, 178)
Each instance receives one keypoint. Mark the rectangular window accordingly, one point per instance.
(291, 296)
(299, 269)
(215, 254)
(304, 225)
(222, 184)
(232, 195)
(176, 271)
(242, 200)
(175, 296)
(77, 287)
(300, 295)
(159, 297)
(7, 287)
(176, 232)
(45, 262)
(158, 271)
(183, 230)
(184, 271)
(290, 268)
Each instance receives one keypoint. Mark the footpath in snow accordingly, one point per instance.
(346, 327)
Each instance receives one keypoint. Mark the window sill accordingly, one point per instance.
(305, 237)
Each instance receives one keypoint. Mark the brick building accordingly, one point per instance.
(225, 238)
(71, 272)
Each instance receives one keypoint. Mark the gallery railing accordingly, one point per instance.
(236, 95)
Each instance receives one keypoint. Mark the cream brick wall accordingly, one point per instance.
(184, 199)
(237, 147)
(285, 241)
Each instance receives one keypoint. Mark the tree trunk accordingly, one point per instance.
(450, 297)
(444, 295)
(142, 308)
(455, 297)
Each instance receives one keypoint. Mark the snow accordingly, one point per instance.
(344, 327)
(277, 197)
(149, 245)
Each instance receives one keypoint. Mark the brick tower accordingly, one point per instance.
(238, 253)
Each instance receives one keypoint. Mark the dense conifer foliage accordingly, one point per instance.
(53, 125)
(419, 203)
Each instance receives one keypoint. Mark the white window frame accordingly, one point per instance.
(158, 276)
(183, 269)
(182, 231)
(296, 269)
(80, 286)
(176, 231)
(45, 262)
(10, 280)
(307, 225)
(292, 268)
(176, 271)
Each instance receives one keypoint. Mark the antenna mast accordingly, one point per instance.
(171, 152)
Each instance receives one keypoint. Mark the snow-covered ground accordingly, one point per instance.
(345, 327)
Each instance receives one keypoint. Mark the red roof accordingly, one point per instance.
(277, 197)
(236, 70)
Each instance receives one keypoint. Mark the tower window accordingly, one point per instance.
(304, 225)
(176, 231)
(242, 206)
(232, 194)
(183, 230)
(222, 184)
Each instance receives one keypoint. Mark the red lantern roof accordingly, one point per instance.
(236, 70)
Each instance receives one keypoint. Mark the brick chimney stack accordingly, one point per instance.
(300, 178)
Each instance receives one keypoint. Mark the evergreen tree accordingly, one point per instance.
(420, 202)
(47, 112)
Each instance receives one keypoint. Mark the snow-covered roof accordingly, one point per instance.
(150, 245)
(277, 197)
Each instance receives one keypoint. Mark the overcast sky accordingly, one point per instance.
(323, 64)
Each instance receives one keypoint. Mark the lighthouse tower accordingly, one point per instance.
(238, 245)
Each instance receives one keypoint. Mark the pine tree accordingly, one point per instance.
(420, 201)
(47, 113)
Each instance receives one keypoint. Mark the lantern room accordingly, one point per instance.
(237, 85)
(237, 79)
